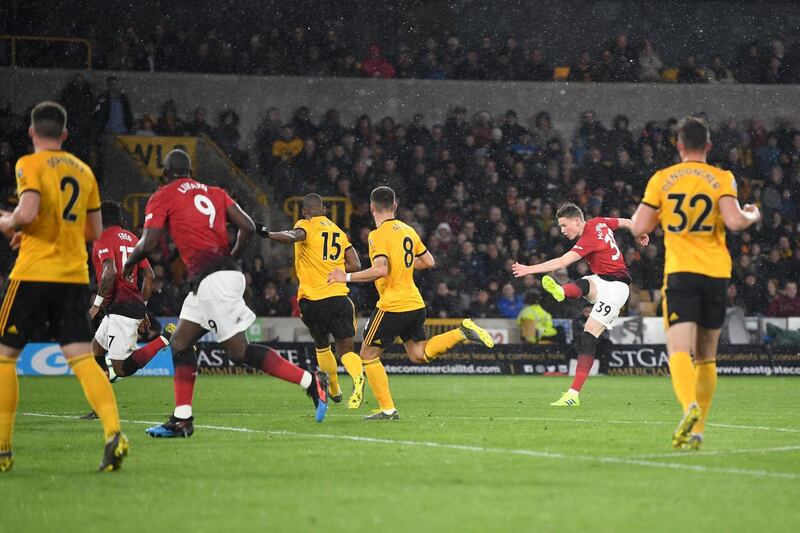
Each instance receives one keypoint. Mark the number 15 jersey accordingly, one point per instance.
(687, 196)
(321, 252)
(195, 215)
(400, 245)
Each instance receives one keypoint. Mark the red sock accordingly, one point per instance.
(572, 291)
(273, 364)
(139, 358)
(582, 371)
(183, 383)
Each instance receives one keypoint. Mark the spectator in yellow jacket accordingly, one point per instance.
(535, 324)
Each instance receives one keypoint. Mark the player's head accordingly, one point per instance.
(694, 136)
(48, 123)
(313, 205)
(112, 214)
(382, 200)
(570, 220)
(177, 164)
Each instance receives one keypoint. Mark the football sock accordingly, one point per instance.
(101, 362)
(352, 363)
(379, 383)
(185, 364)
(327, 363)
(576, 290)
(706, 385)
(439, 344)
(9, 395)
(582, 371)
(98, 392)
(139, 358)
(268, 360)
(682, 371)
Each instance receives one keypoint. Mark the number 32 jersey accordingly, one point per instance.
(687, 196)
(195, 214)
(321, 252)
(599, 248)
(400, 245)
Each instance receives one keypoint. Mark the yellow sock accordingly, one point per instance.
(98, 392)
(352, 363)
(327, 363)
(9, 394)
(681, 368)
(706, 385)
(441, 343)
(379, 383)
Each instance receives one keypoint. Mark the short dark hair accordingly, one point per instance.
(694, 133)
(312, 201)
(112, 213)
(49, 120)
(569, 210)
(383, 197)
(177, 164)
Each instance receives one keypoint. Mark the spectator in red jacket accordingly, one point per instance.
(376, 66)
(787, 304)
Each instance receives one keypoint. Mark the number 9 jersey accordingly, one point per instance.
(53, 247)
(196, 217)
(687, 196)
(400, 245)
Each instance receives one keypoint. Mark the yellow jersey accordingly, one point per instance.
(53, 246)
(687, 196)
(400, 245)
(320, 253)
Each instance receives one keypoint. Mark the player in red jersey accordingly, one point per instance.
(607, 288)
(196, 216)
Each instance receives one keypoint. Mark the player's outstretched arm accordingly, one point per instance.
(564, 261)
(379, 269)
(289, 236)
(424, 262)
(352, 263)
(626, 223)
(246, 227)
(106, 285)
(148, 243)
(26, 212)
(737, 218)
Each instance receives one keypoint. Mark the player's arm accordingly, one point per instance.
(424, 261)
(564, 261)
(246, 227)
(94, 225)
(26, 212)
(644, 220)
(352, 263)
(289, 236)
(627, 224)
(106, 284)
(150, 239)
(148, 279)
(379, 269)
(735, 217)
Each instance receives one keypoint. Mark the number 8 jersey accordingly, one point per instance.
(196, 216)
(53, 247)
(400, 245)
(321, 252)
(687, 196)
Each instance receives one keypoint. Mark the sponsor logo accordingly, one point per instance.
(641, 358)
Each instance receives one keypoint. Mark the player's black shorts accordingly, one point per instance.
(384, 327)
(330, 316)
(690, 297)
(28, 305)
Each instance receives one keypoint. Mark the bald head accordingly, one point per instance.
(177, 164)
(313, 205)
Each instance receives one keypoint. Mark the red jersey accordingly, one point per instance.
(195, 214)
(598, 247)
(116, 243)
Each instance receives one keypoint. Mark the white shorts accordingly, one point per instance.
(117, 335)
(218, 305)
(611, 297)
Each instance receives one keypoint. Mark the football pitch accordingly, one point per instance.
(468, 454)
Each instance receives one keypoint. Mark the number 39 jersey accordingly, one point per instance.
(53, 246)
(195, 215)
(598, 247)
(687, 196)
(321, 252)
(116, 243)
(400, 245)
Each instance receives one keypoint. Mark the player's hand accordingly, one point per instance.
(262, 230)
(144, 325)
(127, 272)
(643, 240)
(93, 311)
(337, 276)
(520, 270)
(16, 240)
(752, 211)
(6, 225)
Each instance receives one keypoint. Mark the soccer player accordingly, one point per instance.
(395, 251)
(58, 212)
(319, 247)
(196, 216)
(607, 288)
(125, 306)
(693, 202)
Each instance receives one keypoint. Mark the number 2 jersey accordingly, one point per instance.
(53, 247)
(599, 248)
(687, 196)
(321, 252)
(195, 214)
(116, 243)
(400, 245)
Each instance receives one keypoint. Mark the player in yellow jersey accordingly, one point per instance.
(396, 251)
(58, 212)
(320, 246)
(693, 202)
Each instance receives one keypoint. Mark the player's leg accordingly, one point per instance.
(355, 368)
(378, 383)
(586, 356)
(100, 358)
(706, 380)
(438, 344)
(9, 397)
(139, 357)
(573, 291)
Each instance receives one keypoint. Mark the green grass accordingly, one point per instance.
(483, 474)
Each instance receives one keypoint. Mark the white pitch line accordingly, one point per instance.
(690, 454)
(480, 449)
